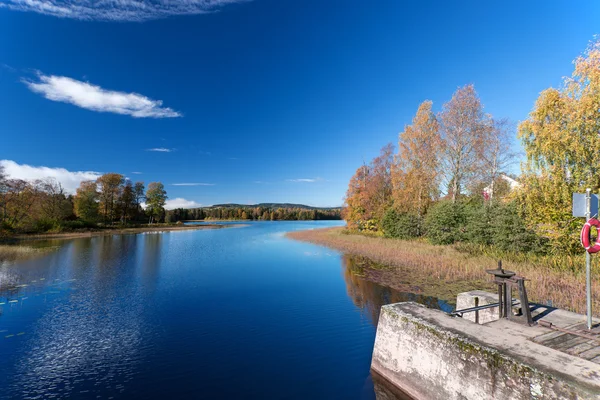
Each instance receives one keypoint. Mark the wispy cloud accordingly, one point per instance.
(136, 173)
(70, 180)
(180, 202)
(160, 149)
(117, 10)
(193, 184)
(95, 98)
(309, 180)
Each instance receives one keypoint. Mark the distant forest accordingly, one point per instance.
(258, 212)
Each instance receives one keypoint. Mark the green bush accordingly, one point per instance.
(401, 225)
(480, 228)
(501, 226)
(45, 225)
(446, 222)
(511, 233)
(78, 224)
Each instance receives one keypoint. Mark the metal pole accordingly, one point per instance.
(588, 262)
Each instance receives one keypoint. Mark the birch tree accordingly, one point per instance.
(110, 187)
(156, 197)
(465, 129)
(497, 155)
(86, 201)
(561, 141)
(415, 175)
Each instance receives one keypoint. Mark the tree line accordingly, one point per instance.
(253, 213)
(44, 205)
(449, 179)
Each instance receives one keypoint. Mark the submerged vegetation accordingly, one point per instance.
(443, 271)
(444, 207)
(11, 253)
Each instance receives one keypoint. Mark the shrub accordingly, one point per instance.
(511, 233)
(480, 227)
(401, 225)
(45, 225)
(78, 224)
(446, 222)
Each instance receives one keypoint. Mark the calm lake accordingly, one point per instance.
(236, 313)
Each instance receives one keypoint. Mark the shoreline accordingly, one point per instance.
(110, 231)
(443, 272)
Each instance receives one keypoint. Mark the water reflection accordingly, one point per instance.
(193, 314)
(90, 333)
(370, 296)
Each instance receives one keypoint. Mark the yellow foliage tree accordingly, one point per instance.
(370, 192)
(415, 175)
(562, 142)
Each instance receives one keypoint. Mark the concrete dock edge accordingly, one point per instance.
(430, 355)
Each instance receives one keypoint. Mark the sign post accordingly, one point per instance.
(588, 262)
(586, 205)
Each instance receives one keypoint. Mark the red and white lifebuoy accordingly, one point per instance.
(586, 240)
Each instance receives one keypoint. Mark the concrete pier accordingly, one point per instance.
(431, 355)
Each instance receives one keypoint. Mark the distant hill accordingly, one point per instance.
(272, 205)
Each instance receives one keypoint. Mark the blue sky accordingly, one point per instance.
(263, 100)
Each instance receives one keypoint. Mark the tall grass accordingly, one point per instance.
(556, 279)
(10, 253)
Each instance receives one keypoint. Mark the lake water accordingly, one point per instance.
(236, 313)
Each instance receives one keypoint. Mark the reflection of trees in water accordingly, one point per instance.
(151, 246)
(370, 296)
(92, 340)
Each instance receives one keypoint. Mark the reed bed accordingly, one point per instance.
(11, 253)
(451, 270)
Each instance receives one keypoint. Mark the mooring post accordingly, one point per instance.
(588, 262)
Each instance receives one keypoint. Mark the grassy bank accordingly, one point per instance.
(445, 271)
(111, 231)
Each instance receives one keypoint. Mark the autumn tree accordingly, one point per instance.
(110, 187)
(370, 192)
(3, 191)
(19, 199)
(497, 156)
(561, 141)
(86, 201)
(127, 201)
(156, 197)
(54, 204)
(415, 175)
(465, 129)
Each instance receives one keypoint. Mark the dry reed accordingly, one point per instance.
(446, 266)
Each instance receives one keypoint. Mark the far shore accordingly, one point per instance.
(443, 271)
(113, 231)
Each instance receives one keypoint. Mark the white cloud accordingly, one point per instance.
(161, 150)
(136, 173)
(70, 180)
(95, 98)
(193, 184)
(117, 10)
(304, 180)
(181, 203)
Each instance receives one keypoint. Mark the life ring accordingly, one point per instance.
(586, 238)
